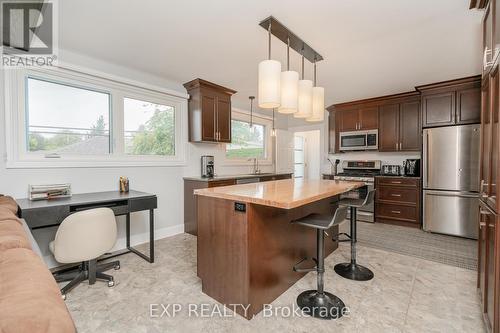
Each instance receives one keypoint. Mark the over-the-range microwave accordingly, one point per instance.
(358, 140)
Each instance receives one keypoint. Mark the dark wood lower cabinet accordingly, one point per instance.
(489, 266)
(397, 201)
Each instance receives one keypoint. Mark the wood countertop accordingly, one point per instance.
(286, 193)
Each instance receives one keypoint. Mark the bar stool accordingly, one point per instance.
(352, 270)
(319, 303)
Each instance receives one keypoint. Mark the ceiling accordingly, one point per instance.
(371, 48)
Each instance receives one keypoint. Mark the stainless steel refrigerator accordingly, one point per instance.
(451, 180)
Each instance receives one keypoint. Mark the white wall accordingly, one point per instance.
(165, 182)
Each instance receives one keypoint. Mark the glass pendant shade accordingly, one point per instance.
(318, 104)
(289, 92)
(305, 99)
(269, 84)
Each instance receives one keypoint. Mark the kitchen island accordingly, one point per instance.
(246, 243)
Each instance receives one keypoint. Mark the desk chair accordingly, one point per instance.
(319, 303)
(83, 237)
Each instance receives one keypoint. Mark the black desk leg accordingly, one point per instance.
(151, 257)
(128, 230)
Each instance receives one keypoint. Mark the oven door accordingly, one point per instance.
(366, 213)
(353, 141)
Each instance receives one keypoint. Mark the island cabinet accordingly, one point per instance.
(247, 244)
(397, 200)
(209, 114)
(454, 102)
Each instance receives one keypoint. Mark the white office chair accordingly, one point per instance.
(83, 237)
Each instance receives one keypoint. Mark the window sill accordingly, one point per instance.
(115, 163)
(229, 163)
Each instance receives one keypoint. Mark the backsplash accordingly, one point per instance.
(395, 158)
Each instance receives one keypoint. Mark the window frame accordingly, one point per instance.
(268, 139)
(18, 155)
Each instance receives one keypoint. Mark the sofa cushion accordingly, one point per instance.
(13, 235)
(30, 300)
(9, 204)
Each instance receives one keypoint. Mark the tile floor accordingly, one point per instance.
(407, 295)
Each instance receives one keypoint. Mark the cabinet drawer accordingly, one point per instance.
(218, 183)
(398, 181)
(399, 194)
(406, 213)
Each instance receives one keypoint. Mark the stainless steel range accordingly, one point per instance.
(361, 171)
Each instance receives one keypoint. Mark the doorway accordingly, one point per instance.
(307, 154)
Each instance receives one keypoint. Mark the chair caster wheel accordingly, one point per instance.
(63, 296)
(111, 284)
(117, 267)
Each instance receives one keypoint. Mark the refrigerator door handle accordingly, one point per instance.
(452, 194)
(425, 157)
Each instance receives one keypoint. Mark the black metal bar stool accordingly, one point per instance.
(319, 303)
(352, 270)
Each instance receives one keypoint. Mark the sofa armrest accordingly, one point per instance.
(34, 244)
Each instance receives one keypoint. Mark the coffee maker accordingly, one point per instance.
(412, 167)
(207, 166)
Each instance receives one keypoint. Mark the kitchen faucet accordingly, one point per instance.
(256, 169)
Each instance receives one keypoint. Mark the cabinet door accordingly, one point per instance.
(388, 133)
(349, 120)
(208, 117)
(332, 133)
(438, 109)
(485, 176)
(491, 283)
(468, 106)
(224, 119)
(368, 118)
(487, 39)
(495, 109)
(409, 126)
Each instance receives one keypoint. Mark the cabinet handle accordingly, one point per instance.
(396, 195)
(396, 146)
(395, 182)
(396, 211)
(482, 224)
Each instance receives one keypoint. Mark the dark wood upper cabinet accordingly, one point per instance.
(438, 109)
(349, 120)
(468, 106)
(451, 102)
(368, 118)
(209, 111)
(388, 131)
(409, 126)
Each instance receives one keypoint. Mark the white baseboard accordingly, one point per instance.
(144, 237)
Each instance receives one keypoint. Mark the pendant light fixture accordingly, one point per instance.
(273, 130)
(318, 101)
(251, 98)
(289, 87)
(269, 80)
(305, 96)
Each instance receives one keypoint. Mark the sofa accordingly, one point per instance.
(30, 300)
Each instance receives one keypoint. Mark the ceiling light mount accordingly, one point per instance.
(280, 31)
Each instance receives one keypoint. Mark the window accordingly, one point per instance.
(149, 128)
(65, 118)
(246, 142)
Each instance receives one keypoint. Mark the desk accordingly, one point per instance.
(49, 213)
